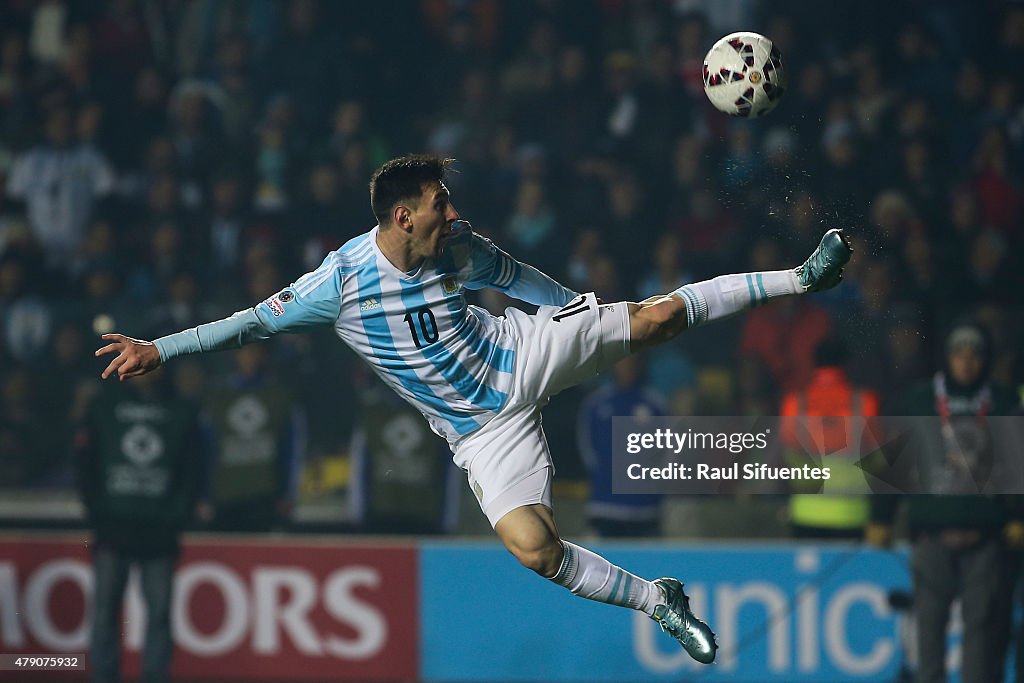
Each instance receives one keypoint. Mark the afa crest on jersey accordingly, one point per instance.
(450, 285)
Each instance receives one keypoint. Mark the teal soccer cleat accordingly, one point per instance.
(676, 619)
(824, 269)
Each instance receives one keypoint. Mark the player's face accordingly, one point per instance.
(432, 220)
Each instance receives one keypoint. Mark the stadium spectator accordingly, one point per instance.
(223, 228)
(181, 301)
(102, 294)
(166, 254)
(839, 181)
(626, 395)
(27, 322)
(624, 238)
(902, 361)
(313, 219)
(68, 391)
(353, 164)
(878, 313)
(235, 87)
(668, 267)
(570, 128)
(60, 182)
(139, 121)
(195, 127)
(349, 124)
(15, 93)
(301, 56)
(532, 228)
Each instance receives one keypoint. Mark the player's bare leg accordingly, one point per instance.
(529, 533)
(660, 318)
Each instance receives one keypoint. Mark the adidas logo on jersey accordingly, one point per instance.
(369, 304)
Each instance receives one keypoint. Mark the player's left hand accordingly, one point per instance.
(134, 356)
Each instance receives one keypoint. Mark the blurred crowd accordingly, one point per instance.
(167, 162)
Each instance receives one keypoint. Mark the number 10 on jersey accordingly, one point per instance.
(423, 319)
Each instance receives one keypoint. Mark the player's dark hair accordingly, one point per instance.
(403, 179)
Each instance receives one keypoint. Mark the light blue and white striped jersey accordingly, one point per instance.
(451, 360)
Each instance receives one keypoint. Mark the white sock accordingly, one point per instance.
(590, 576)
(729, 294)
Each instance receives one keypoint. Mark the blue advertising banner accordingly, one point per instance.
(782, 613)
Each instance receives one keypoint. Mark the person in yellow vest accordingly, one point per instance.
(813, 424)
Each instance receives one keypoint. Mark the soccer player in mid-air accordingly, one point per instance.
(396, 295)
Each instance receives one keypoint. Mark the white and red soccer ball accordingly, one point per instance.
(743, 75)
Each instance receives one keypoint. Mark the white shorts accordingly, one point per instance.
(555, 348)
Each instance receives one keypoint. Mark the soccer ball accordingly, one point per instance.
(743, 75)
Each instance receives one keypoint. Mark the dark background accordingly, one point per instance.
(231, 144)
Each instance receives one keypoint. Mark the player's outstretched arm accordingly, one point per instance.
(314, 300)
(134, 356)
(137, 357)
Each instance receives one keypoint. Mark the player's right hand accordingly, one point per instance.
(134, 356)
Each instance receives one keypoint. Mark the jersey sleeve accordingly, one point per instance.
(237, 330)
(312, 301)
(489, 266)
(492, 267)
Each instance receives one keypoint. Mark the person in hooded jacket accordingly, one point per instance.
(963, 542)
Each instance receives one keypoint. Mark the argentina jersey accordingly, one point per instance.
(451, 360)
